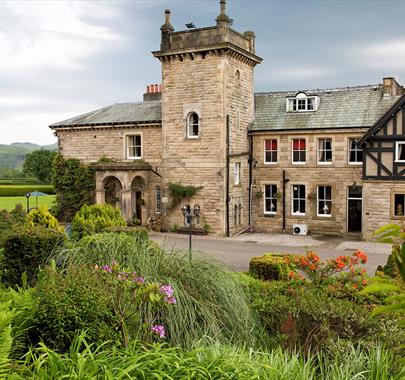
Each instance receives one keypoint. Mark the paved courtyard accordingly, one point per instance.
(236, 252)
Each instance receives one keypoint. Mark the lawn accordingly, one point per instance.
(9, 203)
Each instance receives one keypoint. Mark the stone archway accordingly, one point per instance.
(112, 191)
(138, 199)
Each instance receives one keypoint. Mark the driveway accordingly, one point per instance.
(237, 252)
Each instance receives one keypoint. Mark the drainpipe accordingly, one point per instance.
(227, 179)
(284, 216)
(250, 139)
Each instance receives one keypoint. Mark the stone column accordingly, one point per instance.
(126, 204)
(100, 196)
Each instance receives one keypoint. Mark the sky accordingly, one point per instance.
(60, 59)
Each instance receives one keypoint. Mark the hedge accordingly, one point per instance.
(25, 250)
(269, 267)
(139, 233)
(21, 190)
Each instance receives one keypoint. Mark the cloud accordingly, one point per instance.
(385, 55)
(51, 34)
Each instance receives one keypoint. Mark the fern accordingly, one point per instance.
(6, 340)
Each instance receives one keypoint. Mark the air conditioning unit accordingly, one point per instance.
(300, 229)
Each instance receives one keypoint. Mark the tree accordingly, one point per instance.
(39, 164)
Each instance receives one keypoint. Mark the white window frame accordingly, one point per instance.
(300, 103)
(128, 146)
(292, 151)
(292, 200)
(323, 200)
(265, 151)
(320, 150)
(272, 198)
(158, 195)
(236, 173)
(356, 150)
(397, 144)
(190, 126)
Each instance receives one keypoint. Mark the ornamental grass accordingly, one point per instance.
(210, 300)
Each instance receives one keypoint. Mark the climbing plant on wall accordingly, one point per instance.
(178, 192)
(74, 184)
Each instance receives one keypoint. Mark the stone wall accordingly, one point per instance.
(208, 85)
(339, 175)
(88, 145)
(378, 208)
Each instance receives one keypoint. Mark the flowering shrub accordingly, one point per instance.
(320, 271)
(128, 292)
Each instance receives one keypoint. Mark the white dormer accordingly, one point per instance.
(302, 103)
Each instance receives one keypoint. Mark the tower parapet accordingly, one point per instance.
(203, 40)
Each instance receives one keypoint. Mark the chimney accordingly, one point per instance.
(392, 87)
(153, 93)
(166, 29)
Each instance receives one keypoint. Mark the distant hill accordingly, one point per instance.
(13, 155)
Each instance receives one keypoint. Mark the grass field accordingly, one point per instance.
(9, 203)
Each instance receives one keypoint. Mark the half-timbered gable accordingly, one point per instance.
(384, 146)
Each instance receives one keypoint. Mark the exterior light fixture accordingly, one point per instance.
(190, 215)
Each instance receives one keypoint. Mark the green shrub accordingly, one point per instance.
(25, 250)
(95, 218)
(269, 267)
(22, 190)
(10, 220)
(72, 301)
(42, 217)
(210, 300)
(311, 319)
(74, 184)
(390, 269)
(139, 233)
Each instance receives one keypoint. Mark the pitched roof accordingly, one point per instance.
(338, 108)
(383, 119)
(119, 113)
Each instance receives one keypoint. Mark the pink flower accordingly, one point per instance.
(159, 330)
(167, 290)
(170, 300)
(106, 268)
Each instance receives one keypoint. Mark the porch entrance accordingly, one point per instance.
(138, 187)
(354, 208)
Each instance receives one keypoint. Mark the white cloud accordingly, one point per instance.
(51, 34)
(384, 55)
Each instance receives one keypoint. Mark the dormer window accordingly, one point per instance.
(302, 103)
(193, 126)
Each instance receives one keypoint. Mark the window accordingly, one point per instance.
(355, 153)
(298, 199)
(235, 215)
(134, 146)
(302, 103)
(399, 204)
(270, 151)
(158, 200)
(240, 213)
(193, 126)
(237, 173)
(325, 151)
(270, 199)
(324, 203)
(298, 151)
(400, 151)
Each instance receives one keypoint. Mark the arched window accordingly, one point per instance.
(193, 126)
(235, 215)
(240, 213)
(158, 200)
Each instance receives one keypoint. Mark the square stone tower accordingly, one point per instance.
(207, 107)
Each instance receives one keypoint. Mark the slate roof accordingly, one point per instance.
(119, 113)
(347, 107)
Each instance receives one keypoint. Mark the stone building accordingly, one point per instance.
(267, 161)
